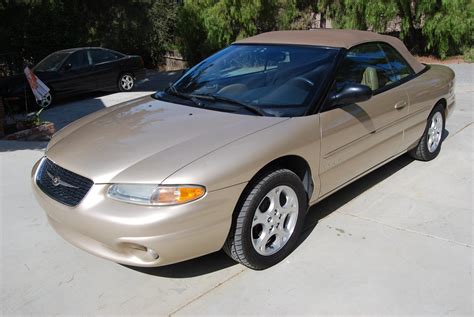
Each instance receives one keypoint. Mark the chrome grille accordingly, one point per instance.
(62, 185)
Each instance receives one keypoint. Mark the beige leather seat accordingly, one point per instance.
(370, 78)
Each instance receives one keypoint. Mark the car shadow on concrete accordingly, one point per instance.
(196, 267)
(335, 201)
(218, 261)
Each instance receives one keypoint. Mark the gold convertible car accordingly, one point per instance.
(235, 151)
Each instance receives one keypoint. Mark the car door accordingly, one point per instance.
(106, 68)
(75, 75)
(356, 137)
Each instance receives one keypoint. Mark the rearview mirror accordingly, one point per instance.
(275, 56)
(67, 66)
(351, 93)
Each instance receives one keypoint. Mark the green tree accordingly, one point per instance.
(449, 25)
(30, 30)
(205, 26)
(162, 16)
(440, 27)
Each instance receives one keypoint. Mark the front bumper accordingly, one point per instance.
(142, 235)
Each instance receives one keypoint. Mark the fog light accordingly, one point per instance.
(141, 251)
(152, 253)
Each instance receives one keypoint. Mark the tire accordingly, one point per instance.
(126, 82)
(430, 143)
(264, 232)
(46, 101)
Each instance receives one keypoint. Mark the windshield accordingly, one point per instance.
(51, 62)
(273, 80)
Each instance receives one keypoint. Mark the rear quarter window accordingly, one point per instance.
(101, 56)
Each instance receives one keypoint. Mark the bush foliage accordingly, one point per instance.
(438, 27)
(33, 29)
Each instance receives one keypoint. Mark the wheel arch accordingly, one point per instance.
(123, 72)
(294, 163)
(444, 103)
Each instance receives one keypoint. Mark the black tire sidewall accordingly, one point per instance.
(287, 178)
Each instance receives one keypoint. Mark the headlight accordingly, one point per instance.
(155, 195)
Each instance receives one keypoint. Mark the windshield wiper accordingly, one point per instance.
(173, 91)
(246, 106)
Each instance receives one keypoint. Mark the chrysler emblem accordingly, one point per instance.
(56, 180)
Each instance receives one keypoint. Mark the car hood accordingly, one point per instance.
(146, 140)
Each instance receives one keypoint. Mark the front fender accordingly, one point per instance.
(240, 161)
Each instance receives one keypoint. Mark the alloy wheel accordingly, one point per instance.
(126, 82)
(435, 132)
(274, 220)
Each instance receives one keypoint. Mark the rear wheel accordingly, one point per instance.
(269, 220)
(126, 82)
(430, 143)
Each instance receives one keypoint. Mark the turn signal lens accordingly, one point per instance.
(149, 194)
(177, 195)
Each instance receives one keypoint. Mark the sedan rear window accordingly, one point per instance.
(101, 56)
(279, 80)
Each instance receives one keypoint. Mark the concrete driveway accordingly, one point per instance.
(398, 241)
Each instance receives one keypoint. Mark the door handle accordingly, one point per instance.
(401, 105)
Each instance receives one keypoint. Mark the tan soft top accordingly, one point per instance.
(332, 38)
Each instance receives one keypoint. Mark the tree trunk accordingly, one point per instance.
(322, 23)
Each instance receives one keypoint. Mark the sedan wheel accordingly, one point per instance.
(46, 101)
(126, 82)
(430, 144)
(269, 220)
(435, 131)
(274, 220)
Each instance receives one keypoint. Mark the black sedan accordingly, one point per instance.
(75, 71)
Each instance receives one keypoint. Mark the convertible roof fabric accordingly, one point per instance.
(332, 38)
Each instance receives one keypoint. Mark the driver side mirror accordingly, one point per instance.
(351, 93)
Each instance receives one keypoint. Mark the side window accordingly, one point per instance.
(101, 56)
(400, 68)
(78, 60)
(364, 64)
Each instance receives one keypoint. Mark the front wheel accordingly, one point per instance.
(126, 82)
(269, 220)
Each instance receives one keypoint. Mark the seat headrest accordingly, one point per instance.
(370, 78)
